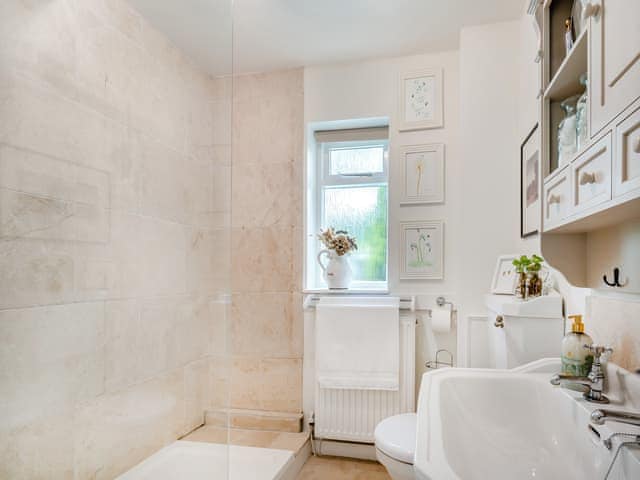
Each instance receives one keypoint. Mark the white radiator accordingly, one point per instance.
(352, 415)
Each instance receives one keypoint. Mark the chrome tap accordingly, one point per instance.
(594, 381)
(600, 416)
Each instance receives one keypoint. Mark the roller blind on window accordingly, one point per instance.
(352, 135)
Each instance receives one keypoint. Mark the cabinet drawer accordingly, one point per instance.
(591, 177)
(556, 200)
(626, 164)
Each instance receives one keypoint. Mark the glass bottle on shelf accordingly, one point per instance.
(567, 131)
(581, 115)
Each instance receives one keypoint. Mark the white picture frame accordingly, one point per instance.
(505, 278)
(423, 174)
(420, 99)
(422, 250)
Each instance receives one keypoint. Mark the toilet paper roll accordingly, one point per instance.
(441, 319)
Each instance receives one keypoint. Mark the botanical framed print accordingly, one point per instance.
(422, 174)
(422, 250)
(504, 276)
(420, 100)
(530, 185)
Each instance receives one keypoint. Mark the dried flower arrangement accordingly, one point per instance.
(339, 241)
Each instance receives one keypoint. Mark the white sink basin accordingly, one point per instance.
(513, 424)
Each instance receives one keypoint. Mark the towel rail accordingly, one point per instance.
(406, 303)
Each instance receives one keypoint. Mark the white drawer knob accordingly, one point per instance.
(636, 145)
(553, 199)
(590, 10)
(587, 178)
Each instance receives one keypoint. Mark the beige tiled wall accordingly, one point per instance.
(266, 313)
(114, 239)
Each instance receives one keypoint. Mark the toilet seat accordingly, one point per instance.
(396, 437)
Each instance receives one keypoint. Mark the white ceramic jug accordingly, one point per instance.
(337, 272)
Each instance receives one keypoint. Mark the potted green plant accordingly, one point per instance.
(521, 269)
(533, 269)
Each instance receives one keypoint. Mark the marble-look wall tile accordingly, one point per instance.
(208, 265)
(115, 431)
(266, 314)
(266, 195)
(288, 83)
(273, 384)
(173, 332)
(267, 324)
(35, 272)
(162, 249)
(221, 187)
(42, 197)
(245, 383)
(115, 188)
(52, 358)
(615, 322)
(220, 370)
(282, 384)
(166, 181)
(196, 391)
(43, 121)
(261, 259)
(122, 344)
(266, 131)
(220, 327)
(39, 450)
(222, 123)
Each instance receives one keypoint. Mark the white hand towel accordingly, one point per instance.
(358, 343)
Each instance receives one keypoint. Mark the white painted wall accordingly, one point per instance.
(489, 129)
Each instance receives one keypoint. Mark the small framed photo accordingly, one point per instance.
(504, 277)
(530, 185)
(420, 100)
(422, 250)
(422, 174)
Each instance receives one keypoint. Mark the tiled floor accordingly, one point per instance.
(333, 468)
(249, 438)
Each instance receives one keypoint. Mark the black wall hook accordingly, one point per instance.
(616, 279)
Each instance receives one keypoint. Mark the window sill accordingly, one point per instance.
(350, 291)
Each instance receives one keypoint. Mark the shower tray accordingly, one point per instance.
(212, 461)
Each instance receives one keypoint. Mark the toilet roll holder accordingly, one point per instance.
(441, 302)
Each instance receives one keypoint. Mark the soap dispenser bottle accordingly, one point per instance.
(576, 359)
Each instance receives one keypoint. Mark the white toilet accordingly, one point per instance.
(395, 445)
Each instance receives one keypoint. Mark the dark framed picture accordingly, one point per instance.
(530, 184)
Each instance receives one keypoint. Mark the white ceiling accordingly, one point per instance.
(278, 34)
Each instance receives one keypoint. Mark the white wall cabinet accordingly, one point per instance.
(626, 165)
(614, 59)
(601, 184)
(557, 201)
(591, 177)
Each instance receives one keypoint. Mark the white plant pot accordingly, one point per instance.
(337, 272)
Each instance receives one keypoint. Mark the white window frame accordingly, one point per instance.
(323, 179)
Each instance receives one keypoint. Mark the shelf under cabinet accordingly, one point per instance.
(566, 81)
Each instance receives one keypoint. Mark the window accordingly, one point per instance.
(351, 193)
